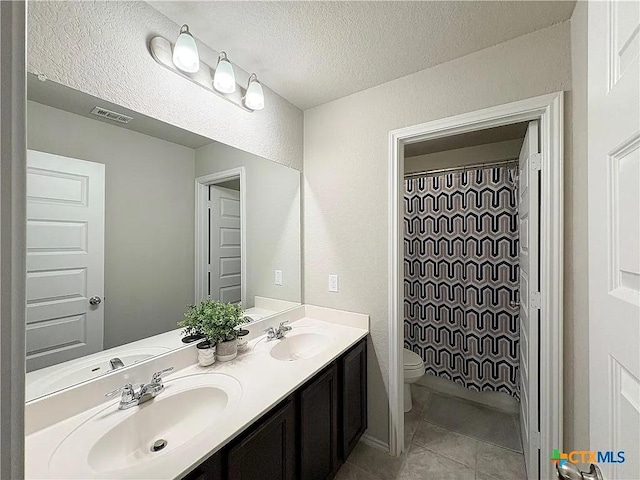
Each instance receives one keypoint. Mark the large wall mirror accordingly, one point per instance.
(129, 221)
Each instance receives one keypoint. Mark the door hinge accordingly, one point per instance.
(536, 162)
(535, 440)
(535, 300)
(209, 204)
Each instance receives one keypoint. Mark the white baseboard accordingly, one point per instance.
(374, 442)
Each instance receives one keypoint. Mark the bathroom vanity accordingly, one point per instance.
(308, 435)
(289, 408)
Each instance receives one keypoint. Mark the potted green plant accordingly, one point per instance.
(217, 321)
(192, 324)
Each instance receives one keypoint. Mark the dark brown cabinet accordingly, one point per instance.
(269, 451)
(210, 469)
(319, 426)
(353, 392)
(308, 436)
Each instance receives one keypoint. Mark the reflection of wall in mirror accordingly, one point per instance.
(122, 71)
(273, 219)
(149, 224)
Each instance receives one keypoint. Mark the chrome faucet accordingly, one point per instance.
(116, 363)
(277, 333)
(131, 396)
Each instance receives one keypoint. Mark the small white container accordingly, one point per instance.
(206, 353)
(227, 350)
(242, 340)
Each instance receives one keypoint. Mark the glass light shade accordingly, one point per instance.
(254, 98)
(185, 52)
(224, 80)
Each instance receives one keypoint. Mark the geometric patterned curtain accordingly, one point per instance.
(461, 272)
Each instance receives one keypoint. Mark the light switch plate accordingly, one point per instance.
(333, 283)
(278, 277)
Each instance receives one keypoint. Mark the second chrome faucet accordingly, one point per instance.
(277, 333)
(132, 396)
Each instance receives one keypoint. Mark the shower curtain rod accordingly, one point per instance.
(426, 173)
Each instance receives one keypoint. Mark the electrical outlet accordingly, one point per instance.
(333, 283)
(278, 277)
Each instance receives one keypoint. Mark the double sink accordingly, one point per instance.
(117, 443)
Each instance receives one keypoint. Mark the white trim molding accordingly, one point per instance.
(202, 230)
(548, 109)
(13, 152)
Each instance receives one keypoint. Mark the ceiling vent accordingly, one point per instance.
(116, 117)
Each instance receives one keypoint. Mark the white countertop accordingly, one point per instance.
(264, 380)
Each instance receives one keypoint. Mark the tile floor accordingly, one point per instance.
(433, 453)
(474, 420)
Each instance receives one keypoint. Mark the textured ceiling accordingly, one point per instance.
(314, 52)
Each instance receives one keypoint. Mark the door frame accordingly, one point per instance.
(548, 110)
(202, 229)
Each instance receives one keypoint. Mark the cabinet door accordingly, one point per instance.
(269, 452)
(354, 397)
(319, 427)
(210, 469)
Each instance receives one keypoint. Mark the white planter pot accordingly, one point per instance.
(227, 350)
(243, 344)
(206, 354)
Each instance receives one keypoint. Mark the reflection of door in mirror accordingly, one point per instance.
(65, 258)
(225, 242)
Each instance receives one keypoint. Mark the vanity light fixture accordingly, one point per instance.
(254, 97)
(182, 59)
(185, 52)
(224, 80)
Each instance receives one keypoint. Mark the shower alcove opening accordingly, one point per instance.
(468, 249)
(461, 285)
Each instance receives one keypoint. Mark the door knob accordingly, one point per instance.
(95, 300)
(568, 471)
(513, 304)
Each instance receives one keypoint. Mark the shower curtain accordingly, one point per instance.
(461, 272)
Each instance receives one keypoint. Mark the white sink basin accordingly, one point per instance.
(298, 346)
(117, 443)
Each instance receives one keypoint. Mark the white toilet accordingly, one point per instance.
(413, 370)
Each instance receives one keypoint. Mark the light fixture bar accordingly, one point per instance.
(161, 50)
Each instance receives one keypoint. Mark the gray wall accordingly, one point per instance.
(273, 219)
(12, 238)
(346, 175)
(149, 218)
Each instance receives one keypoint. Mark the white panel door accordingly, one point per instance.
(224, 262)
(529, 288)
(614, 233)
(65, 258)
